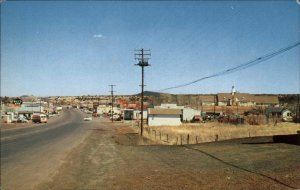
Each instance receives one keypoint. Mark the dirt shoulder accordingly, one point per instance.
(110, 158)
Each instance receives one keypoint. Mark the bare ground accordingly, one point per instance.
(114, 157)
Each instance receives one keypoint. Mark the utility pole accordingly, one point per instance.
(142, 56)
(40, 105)
(298, 109)
(112, 101)
(214, 106)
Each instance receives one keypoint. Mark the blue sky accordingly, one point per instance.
(80, 47)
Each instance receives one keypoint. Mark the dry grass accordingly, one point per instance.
(208, 132)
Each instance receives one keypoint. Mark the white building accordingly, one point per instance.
(189, 113)
(169, 106)
(163, 116)
(103, 109)
(137, 114)
(283, 113)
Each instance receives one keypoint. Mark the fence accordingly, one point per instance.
(181, 139)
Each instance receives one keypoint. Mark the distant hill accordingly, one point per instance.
(149, 93)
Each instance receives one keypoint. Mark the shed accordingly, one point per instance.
(127, 114)
(283, 113)
(161, 116)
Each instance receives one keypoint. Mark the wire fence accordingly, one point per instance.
(179, 139)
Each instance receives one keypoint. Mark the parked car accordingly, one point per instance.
(22, 120)
(116, 117)
(87, 118)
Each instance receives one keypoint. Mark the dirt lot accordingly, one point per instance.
(114, 157)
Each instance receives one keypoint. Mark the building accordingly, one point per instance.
(233, 99)
(188, 114)
(169, 106)
(127, 114)
(224, 99)
(277, 112)
(208, 100)
(103, 109)
(244, 99)
(137, 114)
(164, 116)
(266, 101)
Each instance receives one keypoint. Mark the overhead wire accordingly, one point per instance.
(239, 67)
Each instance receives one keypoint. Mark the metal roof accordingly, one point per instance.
(161, 111)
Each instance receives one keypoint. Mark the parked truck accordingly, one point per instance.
(39, 118)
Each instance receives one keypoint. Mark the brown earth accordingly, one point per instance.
(115, 157)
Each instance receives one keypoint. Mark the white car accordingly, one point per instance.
(87, 119)
(115, 117)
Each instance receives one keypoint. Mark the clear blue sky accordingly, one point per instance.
(79, 48)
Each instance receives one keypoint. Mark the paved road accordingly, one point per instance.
(31, 155)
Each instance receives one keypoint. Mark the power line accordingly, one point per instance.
(241, 66)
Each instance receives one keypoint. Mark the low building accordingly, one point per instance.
(169, 106)
(266, 101)
(278, 112)
(164, 116)
(137, 114)
(208, 100)
(7, 118)
(244, 99)
(224, 99)
(127, 114)
(232, 99)
(188, 114)
(103, 109)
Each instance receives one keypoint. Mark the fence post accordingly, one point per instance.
(176, 140)
(159, 135)
(217, 137)
(155, 133)
(180, 139)
(196, 139)
(167, 138)
(188, 139)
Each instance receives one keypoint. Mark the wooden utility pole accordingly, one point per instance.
(142, 56)
(112, 101)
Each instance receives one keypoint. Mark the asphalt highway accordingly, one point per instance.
(32, 154)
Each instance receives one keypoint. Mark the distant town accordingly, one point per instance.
(157, 106)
